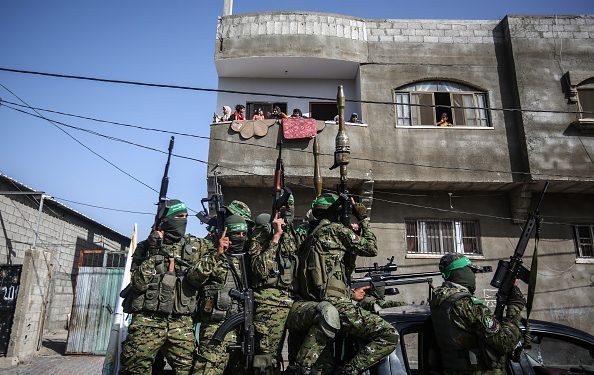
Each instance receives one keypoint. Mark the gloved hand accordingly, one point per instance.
(143, 275)
(360, 211)
(154, 240)
(515, 304)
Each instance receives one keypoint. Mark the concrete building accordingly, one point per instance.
(42, 248)
(466, 187)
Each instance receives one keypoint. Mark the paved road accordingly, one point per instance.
(63, 365)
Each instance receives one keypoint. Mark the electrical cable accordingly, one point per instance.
(292, 183)
(269, 147)
(179, 87)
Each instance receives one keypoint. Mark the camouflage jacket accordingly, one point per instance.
(213, 274)
(337, 245)
(273, 266)
(468, 334)
(154, 288)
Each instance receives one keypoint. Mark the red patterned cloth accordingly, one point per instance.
(299, 128)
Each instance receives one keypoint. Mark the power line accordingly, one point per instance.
(191, 88)
(79, 142)
(103, 207)
(292, 183)
(303, 186)
(262, 146)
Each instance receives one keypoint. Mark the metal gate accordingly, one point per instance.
(10, 280)
(97, 286)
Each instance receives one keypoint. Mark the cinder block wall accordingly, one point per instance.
(62, 232)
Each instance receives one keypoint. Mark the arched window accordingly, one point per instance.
(424, 103)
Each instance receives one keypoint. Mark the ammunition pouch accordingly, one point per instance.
(265, 364)
(217, 303)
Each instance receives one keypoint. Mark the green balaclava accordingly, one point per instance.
(237, 230)
(326, 207)
(458, 269)
(288, 211)
(174, 228)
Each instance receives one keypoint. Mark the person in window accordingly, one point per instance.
(354, 118)
(297, 113)
(225, 116)
(444, 120)
(278, 114)
(258, 114)
(239, 113)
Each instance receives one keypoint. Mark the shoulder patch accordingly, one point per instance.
(491, 325)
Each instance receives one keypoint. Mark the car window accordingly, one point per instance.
(411, 346)
(551, 353)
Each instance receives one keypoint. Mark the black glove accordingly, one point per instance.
(515, 304)
(360, 211)
(154, 241)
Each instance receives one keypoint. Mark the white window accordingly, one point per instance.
(423, 103)
(438, 236)
(584, 235)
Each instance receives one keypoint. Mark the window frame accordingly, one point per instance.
(578, 244)
(457, 237)
(475, 95)
(582, 88)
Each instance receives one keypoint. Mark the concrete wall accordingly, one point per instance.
(62, 232)
(543, 50)
(518, 62)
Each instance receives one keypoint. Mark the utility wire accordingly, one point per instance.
(79, 142)
(103, 207)
(311, 187)
(191, 88)
(262, 146)
(291, 183)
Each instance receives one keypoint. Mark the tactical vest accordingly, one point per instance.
(216, 304)
(460, 350)
(314, 281)
(168, 292)
(286, 262)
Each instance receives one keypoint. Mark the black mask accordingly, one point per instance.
(174, 228)
(237, 243)
(465, 277)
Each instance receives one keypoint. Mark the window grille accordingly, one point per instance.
(584, 235)
(438, 236)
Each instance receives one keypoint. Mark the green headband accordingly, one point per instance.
(323, 201)
(238, 210)
(458, 263)
(178, 207)
(236, 227)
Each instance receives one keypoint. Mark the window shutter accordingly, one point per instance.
(457, 103)
(427, 112)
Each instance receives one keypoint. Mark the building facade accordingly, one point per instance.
(519, 96)
(47, 244)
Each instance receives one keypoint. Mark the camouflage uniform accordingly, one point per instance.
(159, 322)
(338, 244)
(272, 266)
(215, 275)
(470, 339)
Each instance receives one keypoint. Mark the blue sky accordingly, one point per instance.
(151, 41)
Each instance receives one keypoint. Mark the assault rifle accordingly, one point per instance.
(509, 271)
(280, 193)
(162, 208)
(243, 320)
(378, 277)
(218, 202)
(161, 205)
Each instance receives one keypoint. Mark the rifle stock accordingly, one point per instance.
(509, 271)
